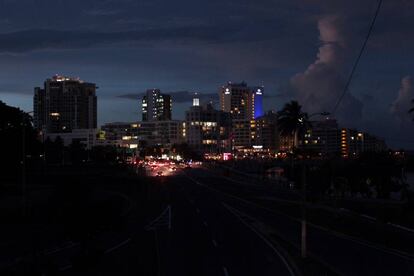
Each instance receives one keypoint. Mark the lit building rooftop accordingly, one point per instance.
(65, 78)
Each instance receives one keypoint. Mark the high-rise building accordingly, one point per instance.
(241, 101)
(325, 138)
(156, 106)
(207, 129)
(261, 133)
(65, 104)
(145, 133)
(267, 134)
(354, 142)
(243, 134)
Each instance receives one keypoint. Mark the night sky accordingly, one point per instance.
(297, 49)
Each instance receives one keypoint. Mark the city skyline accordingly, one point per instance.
(233, 137)
(67, 107)
(215, 101)
(303, 47)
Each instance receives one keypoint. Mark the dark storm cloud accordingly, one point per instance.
(289, 46)
(54, 39)
(177, 96)
(185, 96)
(393, 27)
(77, 24)
(342, 26)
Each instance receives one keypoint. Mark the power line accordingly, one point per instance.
(358, 58)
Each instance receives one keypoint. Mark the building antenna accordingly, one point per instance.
(358, 58)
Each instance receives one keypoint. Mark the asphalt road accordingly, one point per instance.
(342, 253)
(208, 239)
(188, 231)
(198, 223)
(214, 230)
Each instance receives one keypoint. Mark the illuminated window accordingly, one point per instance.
(209, 142)
(196, 102)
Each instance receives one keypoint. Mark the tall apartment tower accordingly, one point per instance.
(156, 106)
(65, 104)
(241, 101)
(207, 129)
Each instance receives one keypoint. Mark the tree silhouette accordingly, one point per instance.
(54, 150)
(292, 121)
(12, 123)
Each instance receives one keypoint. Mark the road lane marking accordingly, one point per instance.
(164, 219)
(368, 217)
(394, 252)
(58, 249)
(401, 227)
(109, 250)
(65, 267)
(214, 243)
(226, 273)
(237, 214)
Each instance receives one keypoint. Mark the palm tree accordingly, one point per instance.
(292, 121)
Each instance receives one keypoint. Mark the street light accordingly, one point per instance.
(303, 220)
(24, 161)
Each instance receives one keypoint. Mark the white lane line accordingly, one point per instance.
(237, 214)
(226, 273)
(401, 227)
(164, 219)
(368, 217)
(117, 246)
(65, 267)
(395, 252)
(58, 249)
(214, 243)
(205, 223)
(198, 211)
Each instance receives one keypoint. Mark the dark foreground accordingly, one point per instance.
(193, 223)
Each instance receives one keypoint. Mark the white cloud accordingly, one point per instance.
(319, 87)
(402, 103)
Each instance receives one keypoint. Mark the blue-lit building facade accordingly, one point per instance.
(258, 102)
(241, 101)
(245, 105)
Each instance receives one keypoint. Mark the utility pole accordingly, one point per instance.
(303, 220)
(23, 165)
(24, 184)
(304, 167)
